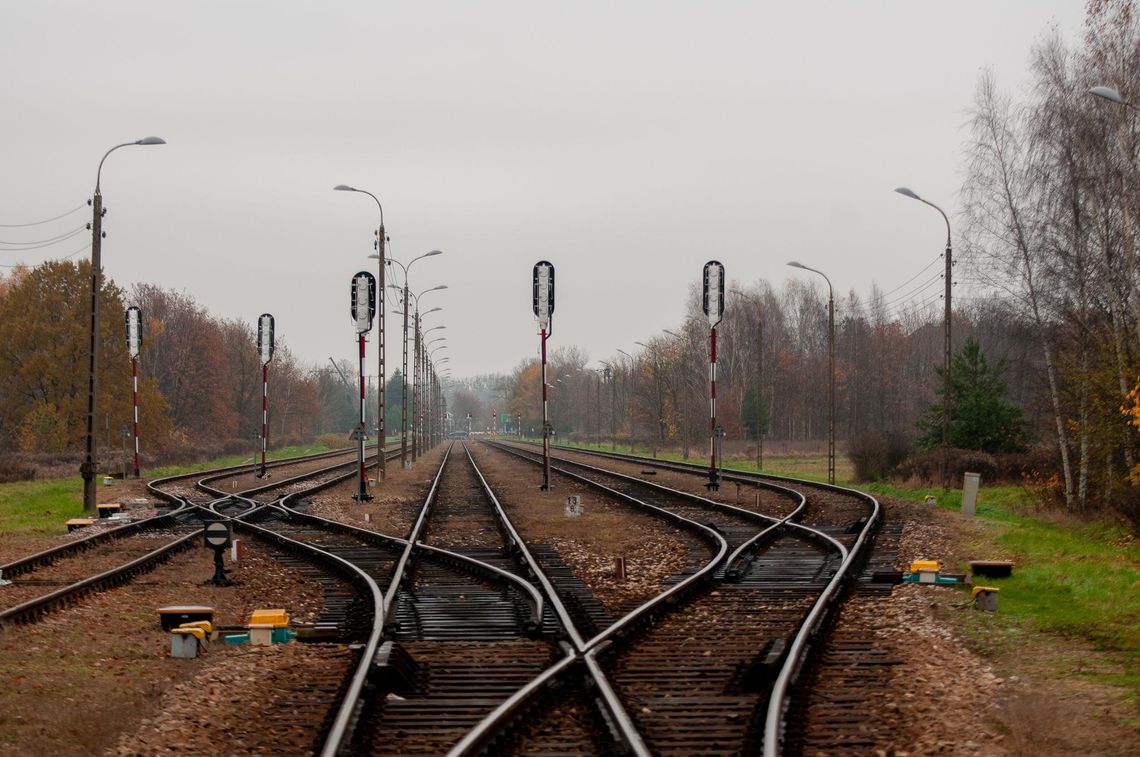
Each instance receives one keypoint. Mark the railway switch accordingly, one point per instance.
(187, 639)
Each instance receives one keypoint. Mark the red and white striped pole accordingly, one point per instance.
(712, 407)
(363, 311)
(264, 414)
(543, 280)
(134, 346)
(265, 350)
(135, 408)
(712, 302)
(545, 421)
(363, 429)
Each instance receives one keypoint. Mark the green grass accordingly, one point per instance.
(1076, 579)
(42, 508)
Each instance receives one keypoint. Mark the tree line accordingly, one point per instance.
(200, 387)
(1050, 231)
(1046, 324)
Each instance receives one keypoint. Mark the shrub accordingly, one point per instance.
(1009, 468)
(334, 441)
(875, 454)
(13, 470)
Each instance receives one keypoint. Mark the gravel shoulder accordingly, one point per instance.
(969, 685)
(98, 678)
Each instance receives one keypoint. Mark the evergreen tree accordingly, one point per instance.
(754, 413)
(394, 403)
(982, 416)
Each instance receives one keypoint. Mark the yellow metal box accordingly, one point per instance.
(276, 618)
(920, 565)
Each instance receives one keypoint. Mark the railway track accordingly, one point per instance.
(117, 554)
(467, 636)
(732, 693)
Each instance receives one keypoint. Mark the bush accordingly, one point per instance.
(335, 441)
(1011, 468)
(12, 470)
(875, 454)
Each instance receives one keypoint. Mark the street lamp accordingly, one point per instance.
(418, 369)
(429, 430)
(1113, 95)
(87, 468)
(947, 399)
(830, 370)
(759, 374)
(381, 430)
(404, 393)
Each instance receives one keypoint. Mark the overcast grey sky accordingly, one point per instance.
(626, 142)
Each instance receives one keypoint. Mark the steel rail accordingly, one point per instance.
(153, 484)
(107, 578)
(482, 734)
(799, 648)
(588, 649)
(39, 559)
(202, 484)
(342, 722)
(536, 571)
(480, 737)
(696, 498)
(417, 528)
(472, 563)
(341, 739)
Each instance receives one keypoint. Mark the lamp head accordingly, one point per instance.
(907, 193)
(433, 252)
(151, 141)
(797, 264)
(344, 188)
(1108, 93)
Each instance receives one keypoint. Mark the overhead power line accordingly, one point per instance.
(46, 220)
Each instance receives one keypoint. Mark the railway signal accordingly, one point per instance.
(265, 349)
(134, 346)
(543, 280)
(363, 311)
(712, 303)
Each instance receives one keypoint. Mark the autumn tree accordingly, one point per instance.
(44, 363)
(187, 356)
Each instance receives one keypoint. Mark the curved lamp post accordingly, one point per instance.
(381, 427)
(404, 411)
(830, 370)
(947, 399)
(418, 369)
(87, 468)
